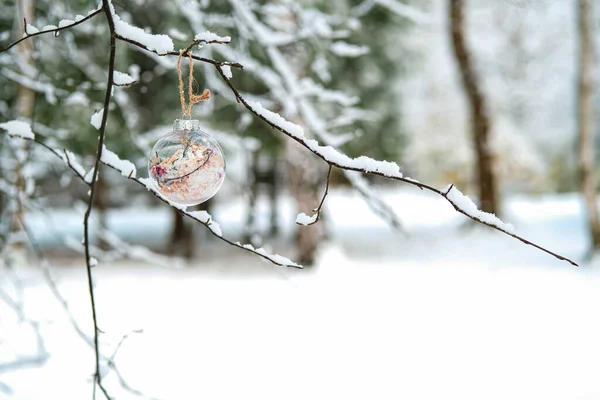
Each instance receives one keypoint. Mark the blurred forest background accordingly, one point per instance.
(496, 97)
(383, 75)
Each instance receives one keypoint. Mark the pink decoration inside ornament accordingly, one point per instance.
(187, 165)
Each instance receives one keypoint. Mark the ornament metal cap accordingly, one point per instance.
(186, 124)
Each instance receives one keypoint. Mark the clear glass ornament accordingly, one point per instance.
(187, 165)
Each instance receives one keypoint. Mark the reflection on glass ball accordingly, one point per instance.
(187, 165)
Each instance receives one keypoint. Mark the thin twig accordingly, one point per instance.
(55, 30)
(174, 53)
(317, 210)
(86, 218)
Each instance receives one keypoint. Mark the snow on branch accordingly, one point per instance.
(175, 53)
(464, 203)
(211, 38)
(122, 79)
(283, 81)
(18, 129)
(205, 219)
(31, 31)
(96, 119)
(160, 43)
(328, 153)
(125, 167)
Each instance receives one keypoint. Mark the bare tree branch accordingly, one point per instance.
(409, 181)
(185, 53)
(306, 220)
(91, 15)
(106, 7)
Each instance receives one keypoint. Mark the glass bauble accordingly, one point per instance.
(187, 165)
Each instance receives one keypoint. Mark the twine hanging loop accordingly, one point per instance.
(186, 106)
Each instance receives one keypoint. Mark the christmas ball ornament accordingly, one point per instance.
(187, 165)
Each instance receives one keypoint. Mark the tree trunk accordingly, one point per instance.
(585, 117)
(182, 238)
(303, 179)
(479, 118)
(25, 102)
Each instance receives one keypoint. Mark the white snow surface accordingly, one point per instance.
(96, 119)
(447, 313)
(125, 167)
(208, 36)
(160, 43)
(467, 205)
(18, 128)
(122, 79)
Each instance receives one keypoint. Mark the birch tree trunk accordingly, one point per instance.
(585, 117)
(25, 103)
(479, 117)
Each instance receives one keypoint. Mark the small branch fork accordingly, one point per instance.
(317, 210)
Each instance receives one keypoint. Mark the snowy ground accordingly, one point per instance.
(447, 312)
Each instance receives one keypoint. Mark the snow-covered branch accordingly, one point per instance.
(31, 31)
(367, 165)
